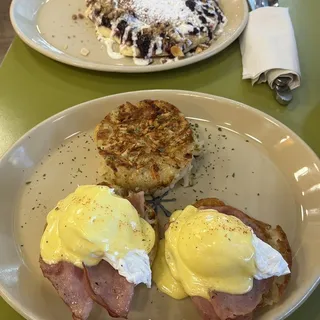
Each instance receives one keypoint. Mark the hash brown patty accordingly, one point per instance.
(147, 146)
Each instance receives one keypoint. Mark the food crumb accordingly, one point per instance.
(80, 16)
(74, 17)
(65, 47)
(84, 51)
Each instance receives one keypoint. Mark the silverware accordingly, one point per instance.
(282, 91)
(255, 4)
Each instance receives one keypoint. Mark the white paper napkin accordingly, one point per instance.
(268, 47)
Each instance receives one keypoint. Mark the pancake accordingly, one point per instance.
(156, 28)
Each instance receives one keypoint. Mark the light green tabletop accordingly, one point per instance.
(33, 87)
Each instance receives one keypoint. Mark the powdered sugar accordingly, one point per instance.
(148, 28)
(152, 11)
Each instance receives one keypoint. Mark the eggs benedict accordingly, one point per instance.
(218, 254)
(99, 235)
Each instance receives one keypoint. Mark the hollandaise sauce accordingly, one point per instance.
(90, 223)
(205, 250)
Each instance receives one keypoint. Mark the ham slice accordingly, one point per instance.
(137, 200)
(109, 289)
(205, 308)
(69, 282)
(223, 306)
(207, 311)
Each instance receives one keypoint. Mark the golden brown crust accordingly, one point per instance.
(208, 202)
(135, 135)
(279, 241)
(144, 146)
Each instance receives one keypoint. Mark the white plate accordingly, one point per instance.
(47, 26)
(260, 167)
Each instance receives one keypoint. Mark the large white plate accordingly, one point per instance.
(251, 162)
(46, 26)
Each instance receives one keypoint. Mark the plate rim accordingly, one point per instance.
(15, 304)
(68, 60)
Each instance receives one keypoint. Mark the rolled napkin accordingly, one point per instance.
(268, 47)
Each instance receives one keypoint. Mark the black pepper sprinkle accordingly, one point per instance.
(28, 182)
(220, 129)
(233, 175)
(247, 140)
(21, 245)
(258, 194)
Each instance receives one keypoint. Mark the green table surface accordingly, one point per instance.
(33, 87)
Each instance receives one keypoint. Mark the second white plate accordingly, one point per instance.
(47, 26)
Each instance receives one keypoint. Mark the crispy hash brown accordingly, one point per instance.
(145, 147)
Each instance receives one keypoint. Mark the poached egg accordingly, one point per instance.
(205, 250)
(93, 223)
